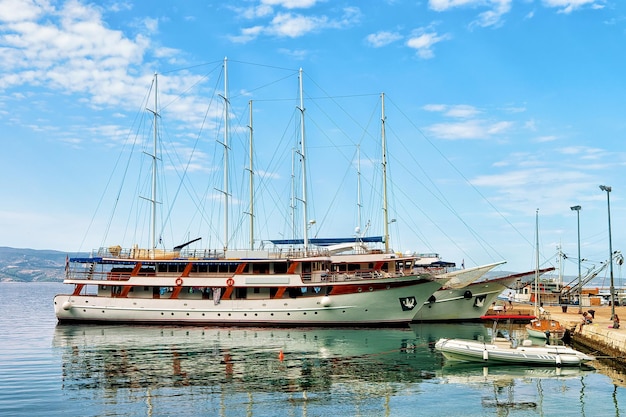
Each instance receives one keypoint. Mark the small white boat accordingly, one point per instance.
(545, 328)
(502, 351)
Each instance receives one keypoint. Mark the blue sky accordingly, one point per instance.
(495, 108)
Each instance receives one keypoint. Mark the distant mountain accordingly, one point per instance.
(31, 265)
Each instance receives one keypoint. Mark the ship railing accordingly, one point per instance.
(137, 253)
(359, 275)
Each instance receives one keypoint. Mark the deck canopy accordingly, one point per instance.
(327, 241)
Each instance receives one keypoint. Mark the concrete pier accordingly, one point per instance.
(599, 337)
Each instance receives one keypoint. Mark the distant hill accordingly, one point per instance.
(31, 265)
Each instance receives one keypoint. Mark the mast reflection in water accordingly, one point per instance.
(231, 371)
(240, 359)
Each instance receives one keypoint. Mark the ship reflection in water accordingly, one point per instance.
(156, 370)
(247, 359)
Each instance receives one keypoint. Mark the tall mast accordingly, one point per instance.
(251, 173)
(292, 203)
(153, 195)
(359, 204)
(225, 154)
(384, 165)
(537, 294)
(303, 158)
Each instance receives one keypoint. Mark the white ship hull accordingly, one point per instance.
(386, 301)
(469, 303)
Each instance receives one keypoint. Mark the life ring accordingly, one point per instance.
(230, 282)
(179, 281)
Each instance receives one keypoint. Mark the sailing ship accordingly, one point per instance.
(470, 301)
(542, 326)
(345, 283)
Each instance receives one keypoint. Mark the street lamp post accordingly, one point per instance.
(608, 204)
(580, 287)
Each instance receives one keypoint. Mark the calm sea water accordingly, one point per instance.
(88, 370)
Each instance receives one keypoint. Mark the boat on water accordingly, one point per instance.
(543, 326)
(245, 288)
(470, 301)
(343, 283)
(504, 352)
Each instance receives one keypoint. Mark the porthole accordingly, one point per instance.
(359, 289)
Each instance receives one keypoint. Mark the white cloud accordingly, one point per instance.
(382, 38)
(298, 54)
(584, 152)
(491, 17)
(69, 48)
(423, 43)
(291, 4)
(568, 6)
(261, 10)
(458, 111)
(462, 111)
(471, 129)
(442, 5)
(293, 25)
(23, 10)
